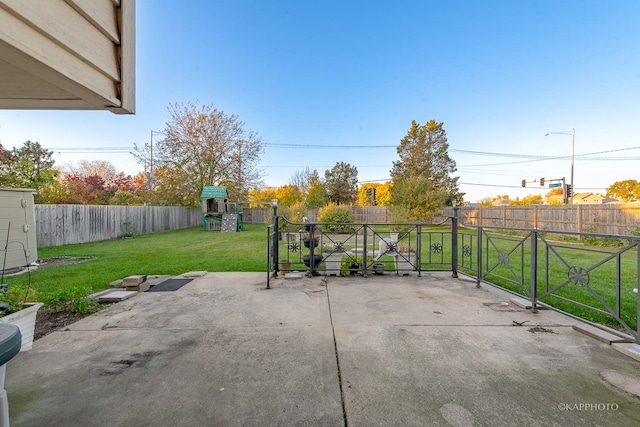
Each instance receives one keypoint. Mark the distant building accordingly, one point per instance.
(591, 199)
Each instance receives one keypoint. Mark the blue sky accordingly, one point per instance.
(354, 74)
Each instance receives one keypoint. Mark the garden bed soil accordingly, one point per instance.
(49, 320)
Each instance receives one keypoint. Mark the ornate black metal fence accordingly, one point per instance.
(592, 276)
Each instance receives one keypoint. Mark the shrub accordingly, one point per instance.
(74, 300)
(335, 214)
(400, 215)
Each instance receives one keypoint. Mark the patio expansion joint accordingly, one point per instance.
(335, 346)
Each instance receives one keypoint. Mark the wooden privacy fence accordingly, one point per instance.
(66, 224)
(58, 225)
(614, 219)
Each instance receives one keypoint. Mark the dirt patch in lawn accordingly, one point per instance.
(46, 263)
(62, 260)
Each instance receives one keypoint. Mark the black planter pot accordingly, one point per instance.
(354, 268)
(307, 260)
(307, 242)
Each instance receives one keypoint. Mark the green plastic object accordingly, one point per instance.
(10, 342)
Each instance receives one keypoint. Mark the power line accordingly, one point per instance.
(543, 158)
(322, 146)
(82, 150)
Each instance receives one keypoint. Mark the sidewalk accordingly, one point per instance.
(382, 350)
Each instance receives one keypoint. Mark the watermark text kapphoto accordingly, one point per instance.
(588, 406)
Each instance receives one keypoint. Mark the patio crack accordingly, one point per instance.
(335, 346)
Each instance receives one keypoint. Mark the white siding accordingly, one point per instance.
(17, 228)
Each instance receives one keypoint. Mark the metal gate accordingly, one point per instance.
(591, 276)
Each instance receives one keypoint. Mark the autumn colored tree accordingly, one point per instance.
(85, 190)
(627, 190)
(171, 187)
(84, 175)
(204, 146)
(262, 195)
(288, 195)
(528, 200)
(486, 201)
(555, 196)
(382, 194)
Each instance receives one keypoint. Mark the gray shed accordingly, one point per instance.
(17, 227)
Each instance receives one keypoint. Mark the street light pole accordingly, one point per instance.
(571, 132)
(151, 157)
(573, 156)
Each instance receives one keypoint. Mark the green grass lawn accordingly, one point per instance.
(556, 279)
(169, 253)
(180, 251)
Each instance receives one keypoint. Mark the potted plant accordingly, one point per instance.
(316, 260)
(378, 268)
(351, 266)
(284, 265)
(14, 310)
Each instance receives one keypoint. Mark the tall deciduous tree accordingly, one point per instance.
(102, 168)
(422, 178)
(304, 179)
(209, 147)
(627, 190)
(341, 183)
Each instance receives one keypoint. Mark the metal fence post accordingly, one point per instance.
(364, 250)
(479, 258)
(419, 249)
(454, 242)
(534, 270)
(276, 236)
(638, 289)
(312, 256)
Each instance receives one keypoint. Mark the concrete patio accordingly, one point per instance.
(377, 351)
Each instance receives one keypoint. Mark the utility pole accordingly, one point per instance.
(151, 158)
(150, 183)
(571, 132)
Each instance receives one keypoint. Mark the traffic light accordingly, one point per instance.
(524, 182)
(541, 182)
(569, 189)
(371, 195)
